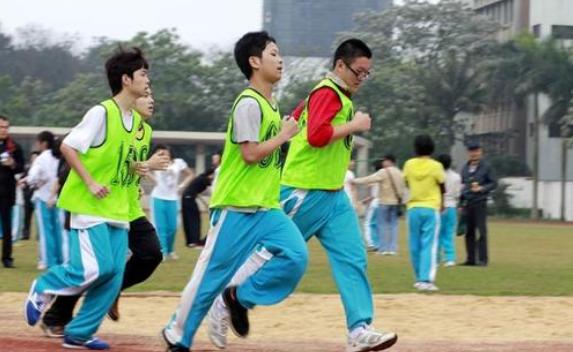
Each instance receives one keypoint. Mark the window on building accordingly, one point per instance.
(562, 32)
(555, 131)
(537, 30)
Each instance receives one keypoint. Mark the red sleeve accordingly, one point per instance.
(323, 106)
(298, 110)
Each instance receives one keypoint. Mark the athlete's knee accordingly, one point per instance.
(298, 261)
(152, 258)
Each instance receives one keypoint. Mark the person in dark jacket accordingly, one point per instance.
(11, 163)
(190, 209)
(478, 182)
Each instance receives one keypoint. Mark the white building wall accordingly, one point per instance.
(550, 12)
(521, 191)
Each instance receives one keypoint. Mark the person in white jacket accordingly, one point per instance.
(42, 176)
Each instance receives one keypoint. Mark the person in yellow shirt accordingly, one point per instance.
(425, 179)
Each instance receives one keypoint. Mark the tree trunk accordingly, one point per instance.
(535, 171)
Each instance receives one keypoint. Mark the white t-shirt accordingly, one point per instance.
(167, 181)
(91, 132)
(453, 189)
(43, 174)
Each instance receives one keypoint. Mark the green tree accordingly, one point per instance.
(436, 51)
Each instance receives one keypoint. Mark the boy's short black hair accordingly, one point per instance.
(390, 157)
(351, 49)
(4, 118)
(423, 145)
(251, 44)
(123, 62)
(445, 160)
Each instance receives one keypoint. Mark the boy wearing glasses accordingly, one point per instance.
(312, 192)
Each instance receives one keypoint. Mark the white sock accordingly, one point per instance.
(357, 331)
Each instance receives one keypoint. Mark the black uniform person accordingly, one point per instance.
(11, 163)
(190, 209)
(478, 181)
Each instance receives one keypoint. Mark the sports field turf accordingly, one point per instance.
(527, 259)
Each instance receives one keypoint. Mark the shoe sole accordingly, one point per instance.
(384, 345)
(78, 347)
(164, 339)
(28, 300)
(83, 347)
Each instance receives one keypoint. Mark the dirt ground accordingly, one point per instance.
(425, 323)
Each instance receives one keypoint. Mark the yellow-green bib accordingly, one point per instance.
(256, 185)
(308, 167)
(109, 165)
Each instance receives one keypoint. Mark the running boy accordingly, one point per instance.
(99, 151)
(245, 209)
(313, 192)
(143, 240)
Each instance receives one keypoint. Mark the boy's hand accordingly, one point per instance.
(289, 128)
(158, 161)
(361, 122)
(9, 162)
(98, 190)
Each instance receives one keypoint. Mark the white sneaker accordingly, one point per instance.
(218, 323)
(427, 287)
(449, 264)
(417, 285)
(365, 339)
(173, 256)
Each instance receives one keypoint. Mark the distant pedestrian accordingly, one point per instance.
(425, 178)
(447, 246)
(478, 181)
(11, 163)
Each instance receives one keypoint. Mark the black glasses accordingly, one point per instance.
(362, 76)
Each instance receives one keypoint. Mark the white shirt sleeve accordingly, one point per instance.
(247, 121)
(89, 132)
(35, 174)
(180, 164)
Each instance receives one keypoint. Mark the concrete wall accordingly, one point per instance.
(549, 196)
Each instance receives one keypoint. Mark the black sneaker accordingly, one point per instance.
(239, 314)
(172, 347)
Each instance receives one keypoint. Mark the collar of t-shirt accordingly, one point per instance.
(339, 82)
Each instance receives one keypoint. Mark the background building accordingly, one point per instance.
(508, 129)
(309, 27)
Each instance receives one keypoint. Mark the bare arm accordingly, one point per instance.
(189, 176)
(253, 152)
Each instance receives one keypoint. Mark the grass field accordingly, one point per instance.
(527, 259)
